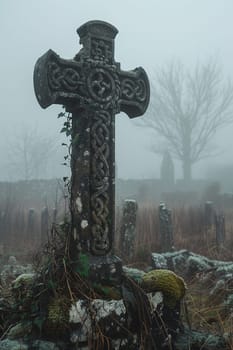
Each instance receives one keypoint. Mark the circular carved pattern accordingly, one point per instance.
(101, 85)
(141, 91)
(128, 88)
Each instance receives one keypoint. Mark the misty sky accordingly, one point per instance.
(151, 33)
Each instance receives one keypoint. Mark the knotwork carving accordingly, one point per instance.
(94, 89)
(60, 78)
(101, 50)
(134, 90)
(100, 148)
(98, 85)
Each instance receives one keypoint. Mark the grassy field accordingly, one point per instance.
(189, 232)
(201, 311)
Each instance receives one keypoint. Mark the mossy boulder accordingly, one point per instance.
(171, 285)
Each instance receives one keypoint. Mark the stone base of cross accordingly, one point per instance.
(106, 270)
(94, 89)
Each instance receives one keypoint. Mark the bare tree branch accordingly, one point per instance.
(187, 108)
(29, 153)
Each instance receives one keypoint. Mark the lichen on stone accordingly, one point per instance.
(22, 287)
(133, 273)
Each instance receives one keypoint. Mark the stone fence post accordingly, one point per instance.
(44, 224)
(219, 220)
(209, 214)
(31, 223)
(166, 228)
(128, 229)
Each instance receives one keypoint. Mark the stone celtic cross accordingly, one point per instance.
(93, 88)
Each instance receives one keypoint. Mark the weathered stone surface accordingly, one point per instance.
(128, 229)
(165, 228)
(110, 318)
(120, 322)
(133, 273)
(212, 279)
(46, 345)
(44, 225)
(187, 264)
(194, 340)
(13, 269)
(111, 314)
(93, 88)
(23, 280)
(7, 344)
(220, 230)
(209, 213)
(105, 269)
(20, 330)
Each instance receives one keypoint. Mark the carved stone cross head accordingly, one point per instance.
(92, 78)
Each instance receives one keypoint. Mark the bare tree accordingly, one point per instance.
(29, 153)
(187, 109)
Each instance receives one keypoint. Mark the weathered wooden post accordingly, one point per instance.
(93, 88)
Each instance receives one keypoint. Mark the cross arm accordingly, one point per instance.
(135, 92)
(57, 81)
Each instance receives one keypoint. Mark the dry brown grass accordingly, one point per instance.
(189, 230)
(208, 313)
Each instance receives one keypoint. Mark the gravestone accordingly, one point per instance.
(166, 228)
(128, 229)
(219, 220)
(167, 173)
(93, 88)
(54, 216)
(31, 223)
(44, 224)
(3, 226)
(209, 213)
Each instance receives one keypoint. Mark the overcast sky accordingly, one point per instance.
(151, 32)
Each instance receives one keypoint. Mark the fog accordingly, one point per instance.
(151, 33)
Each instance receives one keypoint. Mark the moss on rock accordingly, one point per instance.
(171, 285)
(58, 316)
